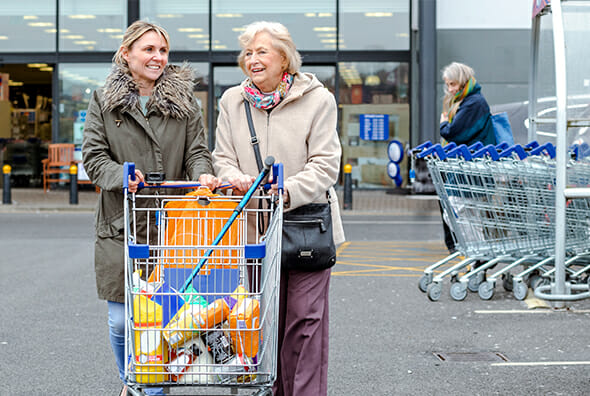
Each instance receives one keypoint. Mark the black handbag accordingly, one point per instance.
(308, 243)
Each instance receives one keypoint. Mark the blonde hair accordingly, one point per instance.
(281, 41)
(461, 74)
(134, 33)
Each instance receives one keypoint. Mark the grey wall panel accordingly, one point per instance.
(500, 59)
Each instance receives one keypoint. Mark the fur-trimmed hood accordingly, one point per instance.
(172, 94)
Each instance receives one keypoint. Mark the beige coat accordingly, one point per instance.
(300, 133)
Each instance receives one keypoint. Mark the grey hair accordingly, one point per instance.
(281, 39)
(458, 72)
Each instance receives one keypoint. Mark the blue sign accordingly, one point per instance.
(374, 126)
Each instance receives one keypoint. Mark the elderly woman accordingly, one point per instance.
(295, 118)
(466, 116)
(146, 114)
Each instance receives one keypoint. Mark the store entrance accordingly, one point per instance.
(25, 120)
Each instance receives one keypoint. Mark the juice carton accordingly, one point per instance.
(244, 327)
(151, 352)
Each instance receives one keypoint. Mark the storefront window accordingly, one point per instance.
(374, 109)
(312, 23)
(27, 26)
(186, 21)
(91, 26)
(374, 25)
(229, 76)
(77, 82)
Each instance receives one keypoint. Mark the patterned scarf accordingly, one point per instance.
(268, 101)
(459, 96)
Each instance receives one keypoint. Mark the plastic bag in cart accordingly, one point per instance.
(196, 221)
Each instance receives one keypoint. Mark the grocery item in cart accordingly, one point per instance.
(150, 349)
(216, 313)
(170, 301)
(218, 345)
(193, 364)
(184, 325)
(244, 327)
(237, 296)
(196, 221)
(232, 370)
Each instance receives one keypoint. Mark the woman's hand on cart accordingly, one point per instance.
(135, 182)
(241, 183)
(210, 181)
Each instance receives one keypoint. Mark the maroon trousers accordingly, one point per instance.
(302, 368)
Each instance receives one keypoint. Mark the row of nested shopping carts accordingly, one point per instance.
(499, 201)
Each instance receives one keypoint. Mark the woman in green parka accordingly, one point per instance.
(146, 113)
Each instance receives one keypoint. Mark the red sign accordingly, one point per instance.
(538, 6)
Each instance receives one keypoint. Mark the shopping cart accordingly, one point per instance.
(202, 287)
(500, 204)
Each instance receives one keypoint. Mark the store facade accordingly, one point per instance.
(55, 53)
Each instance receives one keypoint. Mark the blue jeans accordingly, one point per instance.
(117, 337)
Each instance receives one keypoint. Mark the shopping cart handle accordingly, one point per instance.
(517, 148)
(461, 150)
(502, 146)
(580, 150)
(421, 147)
(277, 177)
(435, 149)
(128, 172)
(476, 146)
(449, 146)
(489, 149)
(548, 148)
(531, 145)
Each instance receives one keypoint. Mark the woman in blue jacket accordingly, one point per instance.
(466, 116)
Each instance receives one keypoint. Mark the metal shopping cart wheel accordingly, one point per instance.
(425, 280)
(486, 290)
(475, 281)
(458, 291)
(520, 290)
(434, 291)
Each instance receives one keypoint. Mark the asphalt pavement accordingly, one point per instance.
(387, 337)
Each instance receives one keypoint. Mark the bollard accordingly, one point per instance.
(73, 184)
(347, 201)
(6, 193)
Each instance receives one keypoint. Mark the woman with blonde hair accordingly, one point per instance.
(145, 113)
(466, 116)
(295, 119)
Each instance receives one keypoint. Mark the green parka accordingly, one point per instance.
(170, 138)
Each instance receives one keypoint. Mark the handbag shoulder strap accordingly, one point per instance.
(253, 138)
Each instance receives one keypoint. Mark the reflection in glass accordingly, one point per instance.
(77, 82)
(187, 22)
(312, 23)
(373, 89)
(577, 31)
(27, 25)
(91, 26)
(374, 25)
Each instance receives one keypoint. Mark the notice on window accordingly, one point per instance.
(374, 126)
